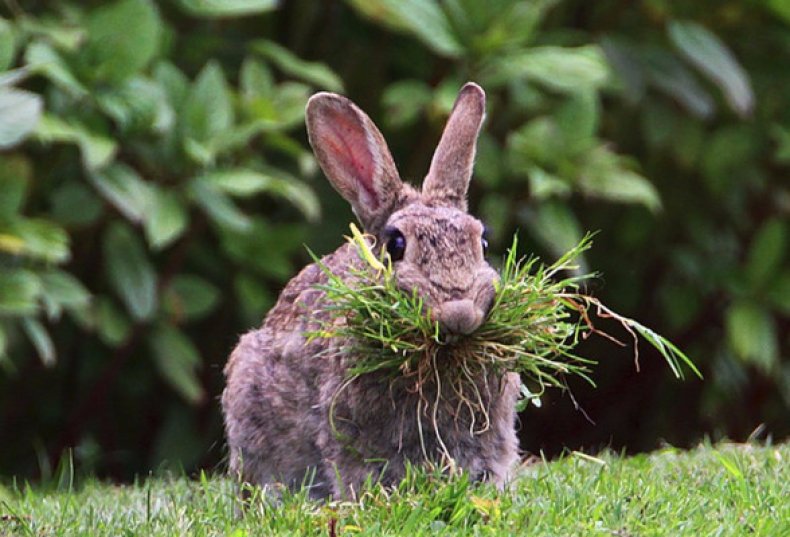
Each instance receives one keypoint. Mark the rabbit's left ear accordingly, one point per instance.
(451, 168)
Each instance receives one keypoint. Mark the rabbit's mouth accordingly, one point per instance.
(458, 318)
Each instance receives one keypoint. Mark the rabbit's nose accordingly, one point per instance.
(460, 316)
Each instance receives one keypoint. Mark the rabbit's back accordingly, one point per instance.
(274, 376)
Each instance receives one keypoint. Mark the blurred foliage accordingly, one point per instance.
(156, 189)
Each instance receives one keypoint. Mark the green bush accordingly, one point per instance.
(156, 189)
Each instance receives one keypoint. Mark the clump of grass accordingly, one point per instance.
(538, 318)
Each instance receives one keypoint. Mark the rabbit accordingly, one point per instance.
(291, 415)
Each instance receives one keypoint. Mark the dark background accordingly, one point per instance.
(156, 191)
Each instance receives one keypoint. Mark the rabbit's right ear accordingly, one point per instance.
(354, 156)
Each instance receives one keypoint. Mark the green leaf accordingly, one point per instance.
(244, 182)
(766, 253)
(604, 174)
(140, 105)
(7, 45)
(40, 339)
(43, 59)
(751, 333)
(97, 150)
(544, 185)
(123, 187)
(129, 271)
(174, 83)
(122, 38)
(714, 60)
(670, 76)
(189, 298)
(62, 290)
(111, 324)
(578, 119)
(41, 239)
(255, 79)
(422, 18)
(3, 356)
(166, 221)
(314, 73)
(254, 298)
(20, 111)
(562, 69)
(15, 178)
(555, 226)
(75, 204)
(208, 111)
(779, 292)
(177, 360)
(19, 292)
(216, 9)
(404, 101)
(219, 207)
(781, 8)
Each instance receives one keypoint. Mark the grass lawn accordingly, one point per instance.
(712, 490)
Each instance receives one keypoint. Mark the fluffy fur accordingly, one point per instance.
(291, 416)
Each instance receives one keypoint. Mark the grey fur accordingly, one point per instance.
(282, 391)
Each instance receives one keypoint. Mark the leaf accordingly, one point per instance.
(125, 190)
(62, 290)
(544, 185)
(122, 38)
(578, 119)
(41, 239)
(670, 76)
(766, 253)
(780, 8)
(189, 298)
(751, 333)
(244, 182)
(255, 79)
(404, 101)
(20, 111)
(111, 324)
(562, 69)
(42, 58)
(138, 105)
(74, 204)
(15, 178)
(779, 292)
(422, 18)
(177, 360)
(97, 150)
(208, 111)
(40, 339)
(219, 207)
(19, 292)
(556, 227)
(129, 271)
(314, 73)
(604, 174)
(166, 221)
(174, 83)
(7, 45)
(216, 9)
(714, 60)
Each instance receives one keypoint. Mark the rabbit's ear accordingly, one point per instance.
(354, 156)
(451, 168)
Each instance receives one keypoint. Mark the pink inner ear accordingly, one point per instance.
(347, 144)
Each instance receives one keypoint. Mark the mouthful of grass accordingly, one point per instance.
(540, 314)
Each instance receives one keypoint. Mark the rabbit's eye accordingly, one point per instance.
(484, 241)
(396, 244)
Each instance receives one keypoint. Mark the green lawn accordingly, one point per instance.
(721, 490)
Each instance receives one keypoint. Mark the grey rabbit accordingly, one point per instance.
(281, 387)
